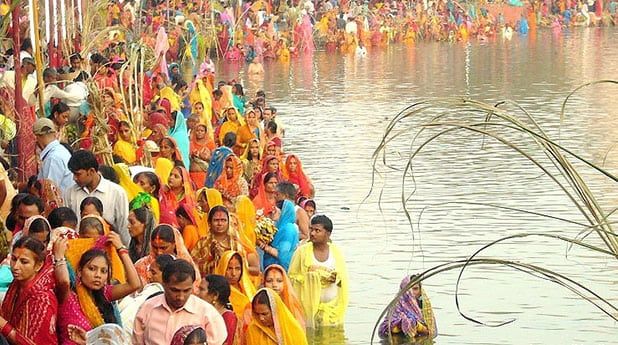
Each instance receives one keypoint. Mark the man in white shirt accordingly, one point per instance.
(89, 182)
(50, 76)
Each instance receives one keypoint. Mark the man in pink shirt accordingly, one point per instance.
(161, 316)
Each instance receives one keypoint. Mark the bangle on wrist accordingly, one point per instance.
(59, 262)
(123, 250)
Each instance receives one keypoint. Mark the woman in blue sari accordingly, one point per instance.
(285, 242)
(217, 160)
(179, 133)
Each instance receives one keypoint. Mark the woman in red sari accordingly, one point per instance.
(30, 308)
(270, 164)
(294, 173)
(266, 199)
(179, 190)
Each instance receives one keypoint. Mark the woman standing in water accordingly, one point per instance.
(412, 316)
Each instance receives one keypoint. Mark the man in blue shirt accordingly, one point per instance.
(54, 156)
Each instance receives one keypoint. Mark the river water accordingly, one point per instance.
(336, 109)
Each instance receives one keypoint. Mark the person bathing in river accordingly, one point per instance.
(412, 316)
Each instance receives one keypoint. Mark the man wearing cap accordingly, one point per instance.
(54, 156)
(28, 85)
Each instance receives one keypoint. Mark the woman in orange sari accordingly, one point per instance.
(169, 149)
(165, 239)
(294, 173)
(277, 279)
(179, 190)
(232, 266)
(187, 225)
(201, 148)
(230, 183)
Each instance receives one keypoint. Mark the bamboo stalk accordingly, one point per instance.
(38, 57)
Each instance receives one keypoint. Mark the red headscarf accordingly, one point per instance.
(298, 177)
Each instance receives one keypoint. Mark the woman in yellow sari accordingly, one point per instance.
(125, 145)
(232, 123)
(207, 198)
(272, 323)
(232, 266)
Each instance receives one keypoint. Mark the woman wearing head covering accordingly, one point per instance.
(207, 198)
(266, 198)
(217, 162)
(276, 278)
(281, 249)
(141, 225)
(233, 267)
(230, 183)
(178, 190)
(30, 304)
(232, 123)
(270, 164)
(136, 195)
(250, 130)
(294, 173)
(165, 239)
(252, 159)
(201, 149)
(180, 134)
(168, 149)
(272, 322)
(412, 316)
(47, 190)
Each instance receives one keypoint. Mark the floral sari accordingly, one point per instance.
(235, 186)
(286, 328)
(50, 194)
(408, 316)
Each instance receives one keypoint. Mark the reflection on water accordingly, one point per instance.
(336, 108)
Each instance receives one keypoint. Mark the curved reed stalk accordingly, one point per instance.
(461, 115)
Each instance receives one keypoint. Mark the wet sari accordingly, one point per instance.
(410, 316)
(240, 297)
(307, 284)
(31, 308)
(286, 329)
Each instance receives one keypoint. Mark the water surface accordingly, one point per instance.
(336, 108)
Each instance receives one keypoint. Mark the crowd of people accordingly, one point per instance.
(218, 241)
